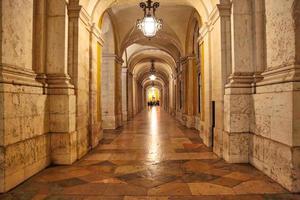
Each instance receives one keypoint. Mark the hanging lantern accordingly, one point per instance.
(152, 87)
(152, 71)
(149, 25)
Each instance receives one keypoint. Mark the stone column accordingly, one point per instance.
(40, 31)
(111, 91)
(205, 62)
(237, 100)
(172, 105)
(134, 91)
(119, 75)
(130, 96)
(188, 63)
(96, 132)
(124, 94)
(61, 92)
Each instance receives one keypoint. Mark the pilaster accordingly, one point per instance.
(111, 91)
(238, 91)
(189, 72)
(124, 93)
(61, 93)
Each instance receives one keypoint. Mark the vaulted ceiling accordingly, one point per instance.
(166, 48)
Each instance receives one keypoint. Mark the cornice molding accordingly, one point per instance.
(17, 75)
(224, 9)
(285, 74)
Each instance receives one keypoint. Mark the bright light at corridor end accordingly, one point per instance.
(149, 25)
(152, 77)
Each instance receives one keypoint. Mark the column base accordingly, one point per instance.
(112, 122)
(189, 121)
(125, 116)
(236, 147)
(97, 134)
(63, 148)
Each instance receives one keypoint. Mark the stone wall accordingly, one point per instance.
(24, 113)
(275, 140)
(274, 145)
(24, 142)
(45, 111)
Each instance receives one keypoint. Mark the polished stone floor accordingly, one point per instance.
(151, 157)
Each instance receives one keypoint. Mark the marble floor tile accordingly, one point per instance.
(145, 162)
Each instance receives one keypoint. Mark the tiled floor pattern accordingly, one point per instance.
(152, 157)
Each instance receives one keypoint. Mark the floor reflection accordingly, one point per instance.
(153, 144)
(151, 156)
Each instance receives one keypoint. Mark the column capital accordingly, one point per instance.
(185, 59)
(224, 9)
(117, 58)
(124, 69)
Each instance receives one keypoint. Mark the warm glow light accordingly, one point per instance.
(152, 77)
(149, 26)
(153, 94)
(154, 150)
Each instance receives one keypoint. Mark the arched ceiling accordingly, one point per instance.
(137, 54)
(139, 62)
(97, 7)
(158, 84)
(142, 70)
(169, 44)
(174, 27)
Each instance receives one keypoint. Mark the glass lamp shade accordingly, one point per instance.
(152, 77)
(149, 26)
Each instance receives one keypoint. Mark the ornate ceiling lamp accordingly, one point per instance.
(149, 25)
(152, 71)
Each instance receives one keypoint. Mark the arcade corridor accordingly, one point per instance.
(151, 156)
(78, 78)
